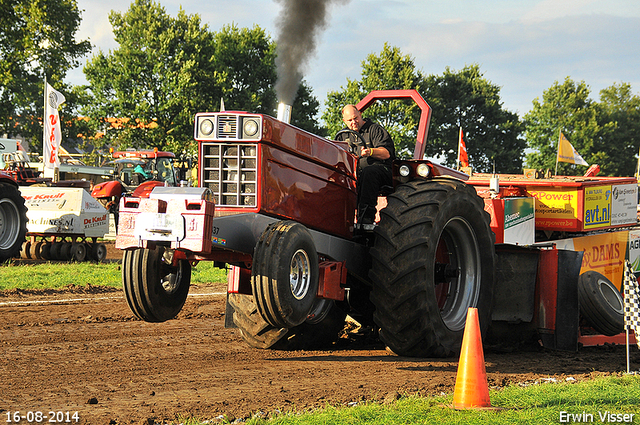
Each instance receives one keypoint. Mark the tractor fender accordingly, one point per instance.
(107, 189)
(144, 190)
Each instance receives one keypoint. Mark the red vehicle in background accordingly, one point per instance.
(136, 173)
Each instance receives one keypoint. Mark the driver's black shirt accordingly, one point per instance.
(375, 136)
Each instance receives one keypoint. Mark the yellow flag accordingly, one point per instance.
(566, 152)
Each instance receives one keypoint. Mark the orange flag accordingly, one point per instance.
(463, 159)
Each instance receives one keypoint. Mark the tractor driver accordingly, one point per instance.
(374, 161)
(146, 174)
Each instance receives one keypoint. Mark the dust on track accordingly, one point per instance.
(86, 352)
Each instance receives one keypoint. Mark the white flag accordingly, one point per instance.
(52, 129)
(631, 302)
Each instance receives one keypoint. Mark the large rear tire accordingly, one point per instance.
(433, 258)
(155, 290)
(284, 276)
(13, 221)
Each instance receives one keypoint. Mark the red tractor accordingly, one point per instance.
(136, 173)
(277, 205)
(13, 218)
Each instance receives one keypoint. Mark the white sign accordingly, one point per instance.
(624, 204)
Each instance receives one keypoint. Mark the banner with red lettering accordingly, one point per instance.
(52, 129)
(463, 158)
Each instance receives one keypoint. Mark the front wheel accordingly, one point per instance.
(155, 289)
(432, 260)
(284, 276)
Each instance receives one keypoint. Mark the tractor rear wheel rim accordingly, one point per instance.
(300, 274)
(464, 271)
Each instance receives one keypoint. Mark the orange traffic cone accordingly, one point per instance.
(471, 390)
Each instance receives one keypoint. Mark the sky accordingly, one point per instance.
(522, 46)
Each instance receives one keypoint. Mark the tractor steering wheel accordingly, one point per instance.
(358, 143)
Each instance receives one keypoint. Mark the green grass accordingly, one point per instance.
(533, 404)
(57, 275)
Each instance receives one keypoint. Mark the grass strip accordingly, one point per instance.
(612, 399)
(58, 275)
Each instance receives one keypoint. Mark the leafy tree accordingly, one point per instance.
(305, 109)
(616, 151)
(386, 71)
(467, 100)
(168, 69)
(37, 40)
(464, 99)
(567, 108)
(244, 69)
(155, 82)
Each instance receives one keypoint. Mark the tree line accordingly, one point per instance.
(146, 92)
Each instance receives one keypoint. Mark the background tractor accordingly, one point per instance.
(136, 173)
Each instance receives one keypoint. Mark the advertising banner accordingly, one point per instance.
(519, 221)
(52, 210)
(624, 204)
(556, 208)
(597, 207)
(604, 253)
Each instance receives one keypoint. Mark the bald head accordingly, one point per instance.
(352, 117)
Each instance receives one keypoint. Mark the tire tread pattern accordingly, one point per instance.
(406, 310)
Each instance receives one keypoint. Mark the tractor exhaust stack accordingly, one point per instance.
(284, 112)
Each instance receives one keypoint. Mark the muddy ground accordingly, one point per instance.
(81, 350)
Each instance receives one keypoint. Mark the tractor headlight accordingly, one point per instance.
(423, 170)
(404, 170)
(206, 127)
(250, 127)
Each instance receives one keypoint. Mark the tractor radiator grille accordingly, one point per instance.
(227, 127)
(230, 171)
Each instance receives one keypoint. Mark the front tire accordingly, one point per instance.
(155, 290)
(284, 276)
(433, 258)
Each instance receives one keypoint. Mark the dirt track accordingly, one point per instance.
(90, 355)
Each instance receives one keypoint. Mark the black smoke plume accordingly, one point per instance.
(299, 24)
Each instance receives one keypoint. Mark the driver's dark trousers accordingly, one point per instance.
(370, 180)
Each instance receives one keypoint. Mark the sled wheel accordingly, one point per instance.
(433, 258)
(65, 251)
(284, 276)
(601, 303)
(35, 249)
(79, 252)
(318, 331)
(25, 251)
(155, 290)
(55, 250)
(98, 252)
(13, 221)
(45, 251)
